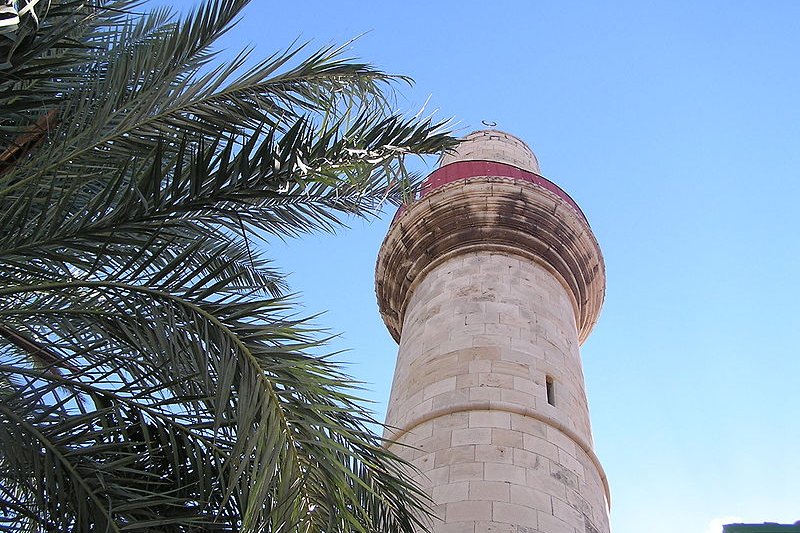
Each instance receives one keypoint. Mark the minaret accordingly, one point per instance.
(489, 282)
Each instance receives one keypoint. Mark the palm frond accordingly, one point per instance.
(153, 373)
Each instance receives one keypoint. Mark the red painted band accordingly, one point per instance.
(471, 169)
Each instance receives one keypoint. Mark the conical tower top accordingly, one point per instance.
(492, 153)
(494, 145)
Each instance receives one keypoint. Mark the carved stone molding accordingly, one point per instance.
(496, 214)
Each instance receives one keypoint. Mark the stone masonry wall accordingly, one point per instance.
(481, 334)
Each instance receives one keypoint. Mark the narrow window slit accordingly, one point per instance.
(551, 390)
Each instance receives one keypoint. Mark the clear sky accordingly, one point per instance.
(676, 127)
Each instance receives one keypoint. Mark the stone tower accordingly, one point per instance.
(490, 282)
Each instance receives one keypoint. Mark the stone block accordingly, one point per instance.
(455, 455)
(529, 459)
(467, 330)
(561, 440)
(450, 398)
(490, 419)
(507, 437)
(482, 366)
(540, 446)
(491, 340)
(410, 396)
(438, 513)
(530, 497)
(528, 425)
(520, 398)
(439, 387)
(419, 432)
(451, 492)
(455, 527)
(419, 410)
(548, 523)
(491, 453)
(440, 440)
(580, 503)
(451, 421)
(490, 490)
(423, 463)
(542, 479)
(464, 306)
(466, 381)
(484, 393)
(466, 472)
(565, 476)
(495, 379)
(504, 472)
(436, 476)
(504, 330)
(497, 527)
(513, 318)
(511, 513)
(468, 510)
(567, 513)
(503, 307)
(511, 368)
(437, 371)
(467, 436)
(482, 353)
(517, 356)
(571, 463)
(527, 386)
(481, 317)
(555, 357)
(526, 342)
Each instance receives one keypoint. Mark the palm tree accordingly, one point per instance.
(153, 374)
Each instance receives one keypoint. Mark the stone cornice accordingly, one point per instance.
(490, 213)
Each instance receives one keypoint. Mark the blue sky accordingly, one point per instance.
(676, 127)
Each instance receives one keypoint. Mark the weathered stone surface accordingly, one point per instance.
(490, 285)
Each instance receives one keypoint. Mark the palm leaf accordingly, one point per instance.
(153, 373)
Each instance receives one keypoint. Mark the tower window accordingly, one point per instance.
(551, 390)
